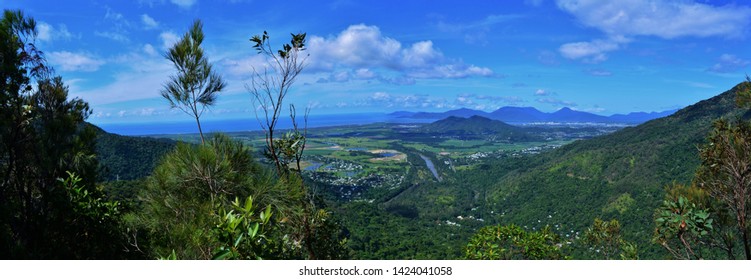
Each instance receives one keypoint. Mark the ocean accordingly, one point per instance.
(249, 124)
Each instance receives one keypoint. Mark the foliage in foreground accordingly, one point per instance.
(513, 243)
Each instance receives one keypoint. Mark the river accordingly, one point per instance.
(430, 165)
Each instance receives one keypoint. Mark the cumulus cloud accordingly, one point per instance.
(362, 46)
(149, 22)
(542, 92)
(728, 63)
(48, 33)
(667, 19)
(69, 61)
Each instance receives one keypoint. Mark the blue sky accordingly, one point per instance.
(604, 57)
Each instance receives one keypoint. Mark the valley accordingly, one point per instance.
(414, 177)
(365, 162)
(421, 190)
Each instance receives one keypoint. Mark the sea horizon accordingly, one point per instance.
(248, 124)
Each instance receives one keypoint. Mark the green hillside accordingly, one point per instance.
(128, 157)
(621, 175)
(476, 126)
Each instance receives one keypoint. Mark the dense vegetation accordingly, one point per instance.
(127, 157)
(50, 205)
(477, 125)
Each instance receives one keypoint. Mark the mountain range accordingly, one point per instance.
(532, 115)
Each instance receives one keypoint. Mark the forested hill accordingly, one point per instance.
(621, 175)
(476, 125)
(128, 157)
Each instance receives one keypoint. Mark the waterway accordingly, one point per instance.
(431, 166)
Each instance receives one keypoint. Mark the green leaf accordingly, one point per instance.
(238, 240)
(223, 254)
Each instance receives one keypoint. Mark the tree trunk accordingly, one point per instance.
(200, 131)
(745, 244)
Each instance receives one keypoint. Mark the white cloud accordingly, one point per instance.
(542, 92)
(47, 32)
(168, 39)
(406, 101)
(149, 22)
(112, 15)
(244, 67)
(336, 77)
(595, 109)
(44, 31)
(662, 18)
(69, 61)
(364, 73)
(185, 4)
(149, 50)
(362, 46)
(143, 81)
(421, 54)
(357, 46)
(592, 52)
(451, 71)
(621, 21)
(729, 63)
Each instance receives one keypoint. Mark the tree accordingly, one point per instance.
(196, 85)
(725, 172)
(43, 136)
(682, 228)
(513, 243)
(690, 223)
(195, 188)
(270, 87)
(605, 238)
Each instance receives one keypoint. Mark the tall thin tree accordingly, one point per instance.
(196, 85)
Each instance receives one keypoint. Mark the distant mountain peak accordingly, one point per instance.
(512, 114)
